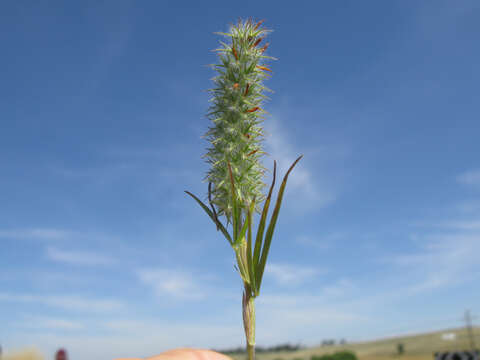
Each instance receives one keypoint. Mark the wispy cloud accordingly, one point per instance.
(340, 288)
(471, 177)
(289, 274)
(320, 242)
(442, 260)
(304, 315)
(173, 283)
(469, 206)
(102, 174)
(78, 257)
(465, 224)
(309, 191)
(71, 302)
(38, 233)
(43, 322)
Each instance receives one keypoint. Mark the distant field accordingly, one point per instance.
(23, 355)
(417, 347)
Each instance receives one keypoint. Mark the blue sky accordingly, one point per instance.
(103, 109)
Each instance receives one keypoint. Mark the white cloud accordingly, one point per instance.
(70, 302)
(471, 177)
(464, 224)
(174, 283)
(78, 257)
(469, 206)
(289, 274)
(322, 296)
(308, 190)
(443, 260)
(40, 233)
(305, 317)
(320, 242)
(41, 322)
(341, 288)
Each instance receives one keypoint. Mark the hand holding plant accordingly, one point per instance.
(185, 354)
(235, 177)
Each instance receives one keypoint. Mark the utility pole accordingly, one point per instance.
(468, 321)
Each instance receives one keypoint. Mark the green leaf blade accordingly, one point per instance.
(271, 226)
(242, 233)
(209, 212)
(261, 226)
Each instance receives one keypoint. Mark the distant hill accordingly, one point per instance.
(416, 347)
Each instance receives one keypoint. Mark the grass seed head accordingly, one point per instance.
(236, 114)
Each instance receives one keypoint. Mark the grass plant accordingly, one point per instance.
(235, 177)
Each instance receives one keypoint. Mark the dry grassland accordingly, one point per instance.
(417, 347)
(29, 354)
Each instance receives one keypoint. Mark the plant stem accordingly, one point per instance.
(248, 307)
(251, 352)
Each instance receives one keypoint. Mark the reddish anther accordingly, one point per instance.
(234, 52)
(258, 24)
(235, 86)
(246, 90)
(252, 152)
(263, 68)
(257, 42)
(264, 48)
(253, 109)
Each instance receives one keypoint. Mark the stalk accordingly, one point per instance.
(248, 307)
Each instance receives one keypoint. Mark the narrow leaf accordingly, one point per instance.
(209, 212)
(242, 233)
(261, 226)
(271, 225)
(211, 205)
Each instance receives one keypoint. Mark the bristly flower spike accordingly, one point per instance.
(234, 114)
